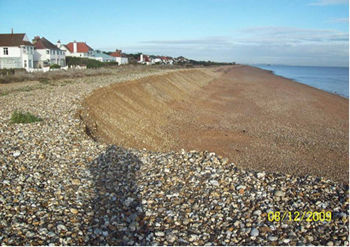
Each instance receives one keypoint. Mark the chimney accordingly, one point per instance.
(36, 38)
(75, 47)
(58, 43)
(11, 30)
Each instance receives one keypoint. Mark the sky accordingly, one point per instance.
(290, 32)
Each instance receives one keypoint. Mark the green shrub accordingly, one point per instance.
(44, 80)
(20, 117)
(5, 72)
(54, 66)
(89, 63)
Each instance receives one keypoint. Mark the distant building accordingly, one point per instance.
(144, 59)
(16, 51)
(102, 57)
(119, 57)
(78, 49)
(47, 54)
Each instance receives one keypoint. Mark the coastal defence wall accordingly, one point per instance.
(258, 120)
(133, 114)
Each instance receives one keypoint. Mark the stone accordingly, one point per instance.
(254, 232)
(261, 174)
(272, 238)
(73, 211)
(171, 238)
(16, 154)
(160, 234)
(279, 193)
(128, 201)
(61, 228)
(75, 181)
(214, 182)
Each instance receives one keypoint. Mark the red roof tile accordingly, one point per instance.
(117, 53)
(81, 47)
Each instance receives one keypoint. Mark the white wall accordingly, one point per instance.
(122, 60)
(18, 57)
(48, 57)
(77, 54)
(13, 51)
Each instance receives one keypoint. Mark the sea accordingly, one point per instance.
(330, 79)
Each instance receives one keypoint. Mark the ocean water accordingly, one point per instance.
(330, 79)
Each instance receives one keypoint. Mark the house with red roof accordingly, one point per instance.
(144, 59)
(47, 54)
(78, 49)
(16, 51)
(119, 57)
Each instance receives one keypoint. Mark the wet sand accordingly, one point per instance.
(258, 120)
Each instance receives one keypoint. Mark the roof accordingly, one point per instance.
(82, 47)
(44, 44)
(13, 39)
(116, 54)
(103, 55)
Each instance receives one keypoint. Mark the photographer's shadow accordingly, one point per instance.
(118, 213)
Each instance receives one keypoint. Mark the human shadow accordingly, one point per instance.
(118, 216)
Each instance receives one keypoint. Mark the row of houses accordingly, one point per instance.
(17, 51)
(148, 60)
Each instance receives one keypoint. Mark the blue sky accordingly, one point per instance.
(294, 32)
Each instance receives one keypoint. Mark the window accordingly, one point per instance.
(30, 63)
(24, 49)
(47, 51)
(6, 51)
(25, 63)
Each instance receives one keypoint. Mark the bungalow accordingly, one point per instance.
(78, 49)
(47, 54)
(102, 57)
(16, 51)
(119, 58)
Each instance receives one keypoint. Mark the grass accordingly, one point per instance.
(4, 93)
(44, 81)
(21, 117)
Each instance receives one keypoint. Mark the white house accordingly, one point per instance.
(47, 54)
(78, 49)
(16, 51)
(144, 59)
(119, 58)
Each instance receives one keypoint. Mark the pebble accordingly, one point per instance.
(279, 193)
(160, 234)
(272, 238)
(16, 154)
(63, 188)
(254, 232)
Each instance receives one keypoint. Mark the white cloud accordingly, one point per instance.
(339, 20)
(278, 45)
(328, 2)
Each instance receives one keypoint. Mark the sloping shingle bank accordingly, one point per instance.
(256, 119)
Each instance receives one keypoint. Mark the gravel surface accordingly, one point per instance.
(60, 187)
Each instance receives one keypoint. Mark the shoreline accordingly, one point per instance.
(295, 80)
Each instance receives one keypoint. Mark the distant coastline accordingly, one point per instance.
(330, 79)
